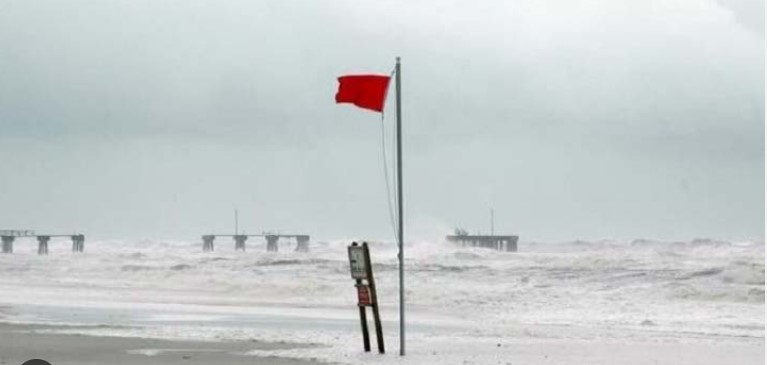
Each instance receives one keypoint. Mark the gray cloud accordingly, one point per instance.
(749, 13)
(572, 119)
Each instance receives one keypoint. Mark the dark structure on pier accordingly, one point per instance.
(501, 243)
(9, 236)
(272, 241)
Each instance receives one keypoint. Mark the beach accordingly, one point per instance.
(600, 302)
(19, 343)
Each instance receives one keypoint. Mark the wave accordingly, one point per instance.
(568, 282)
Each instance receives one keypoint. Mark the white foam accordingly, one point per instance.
(606, 289)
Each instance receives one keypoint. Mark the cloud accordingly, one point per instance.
(495, 94)
(748, 13)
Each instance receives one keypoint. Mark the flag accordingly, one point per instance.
(364, 91)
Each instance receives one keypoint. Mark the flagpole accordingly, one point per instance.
(400, 226)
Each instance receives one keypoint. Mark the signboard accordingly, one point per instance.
(363, 295)
(357, 262)
(362, 273)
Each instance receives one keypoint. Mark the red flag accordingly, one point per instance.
(364, 91)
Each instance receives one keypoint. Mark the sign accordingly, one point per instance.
(363, 295)
(362, 273)
(357, 262)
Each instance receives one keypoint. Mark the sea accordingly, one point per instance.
(646, 290)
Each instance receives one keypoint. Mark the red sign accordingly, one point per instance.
(363, 295)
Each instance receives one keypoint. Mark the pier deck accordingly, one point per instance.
(501, 243)
(8, 237)
(272, 241)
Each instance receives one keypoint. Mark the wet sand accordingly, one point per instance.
(19, 343)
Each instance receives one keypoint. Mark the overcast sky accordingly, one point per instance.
(573, 119)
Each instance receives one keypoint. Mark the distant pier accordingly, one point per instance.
(500, 243)
(8, 237)
(272, 241)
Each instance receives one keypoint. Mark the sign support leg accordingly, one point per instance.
(379, 329)
(364, 322)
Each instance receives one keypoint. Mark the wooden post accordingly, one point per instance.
(362, 269)
(357, 274)
(374, 299)
(364, 322)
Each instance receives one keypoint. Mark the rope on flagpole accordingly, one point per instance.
(386, 178)
(386, 169)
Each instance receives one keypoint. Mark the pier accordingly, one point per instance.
(500, 243)
(9, 236)
(272, 241)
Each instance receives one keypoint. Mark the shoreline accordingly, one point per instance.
(70, 344)
(22, 342)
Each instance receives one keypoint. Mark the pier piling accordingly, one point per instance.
(9, 236)
(8, 244)
(271, 243)
(239, 242)
(78, 243)
(207, 243)
(500, 243)
(42, 244)
(302, 243)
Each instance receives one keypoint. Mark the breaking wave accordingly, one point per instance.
(665, 283)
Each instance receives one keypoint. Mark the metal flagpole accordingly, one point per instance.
(400, 227)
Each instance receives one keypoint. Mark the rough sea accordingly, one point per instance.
(640, 290)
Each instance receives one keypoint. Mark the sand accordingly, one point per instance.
(19, 343)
